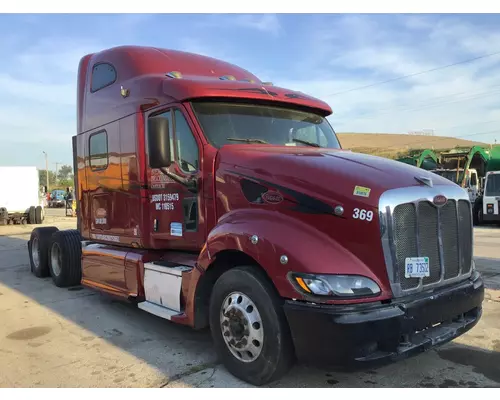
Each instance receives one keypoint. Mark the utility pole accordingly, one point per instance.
(57, 165)
(46, 170)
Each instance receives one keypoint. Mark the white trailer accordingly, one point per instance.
(21, 200)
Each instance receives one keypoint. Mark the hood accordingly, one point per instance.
(326, 174)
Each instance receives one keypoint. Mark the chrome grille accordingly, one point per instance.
(405, 234)
(449, 226)
(464, 212)
(428, 239)
(412, 226)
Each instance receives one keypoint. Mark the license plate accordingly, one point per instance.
(417, 267)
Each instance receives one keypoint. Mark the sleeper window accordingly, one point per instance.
(98, 151)
(102, 75)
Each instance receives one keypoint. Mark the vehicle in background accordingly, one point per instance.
(426, 159)
(212, 199)
(469, 168)
(487, 207)
(471, 183)
(57, 198)
(21, 200)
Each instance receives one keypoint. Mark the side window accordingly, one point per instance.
(102, 75)
(187, 148)
(473, 180)
(98, 145)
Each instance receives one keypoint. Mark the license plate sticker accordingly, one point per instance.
(417, 267)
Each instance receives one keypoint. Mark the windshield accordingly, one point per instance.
(493, 185)
(229, 123)
(450, 175)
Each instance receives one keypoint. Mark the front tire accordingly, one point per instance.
(65, 258)
(249, 328)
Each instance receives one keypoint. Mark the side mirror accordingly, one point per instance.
(159, 142)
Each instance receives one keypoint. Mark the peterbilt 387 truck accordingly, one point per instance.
(212, 199)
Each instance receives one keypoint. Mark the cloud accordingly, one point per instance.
(266, 23)
(263, 23)
(362, 50)
(322, 55)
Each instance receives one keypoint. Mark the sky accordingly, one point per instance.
(331, 56)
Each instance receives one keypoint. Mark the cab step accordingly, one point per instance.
(159, 311)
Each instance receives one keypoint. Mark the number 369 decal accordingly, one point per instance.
(363, 215)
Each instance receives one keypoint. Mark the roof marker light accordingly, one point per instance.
(174, 74)
(227, 78)
(267, 83)
(248, 80)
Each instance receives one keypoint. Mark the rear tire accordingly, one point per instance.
(38, 249)
(245, 306)
(32, 215)
(38, 215)
(477, 216)
(65, 257)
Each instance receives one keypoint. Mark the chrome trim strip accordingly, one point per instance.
(460, 263)
(417, 238)
(440, 244)
(388, 201)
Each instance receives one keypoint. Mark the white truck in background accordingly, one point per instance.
(473, 183)
(21, 200)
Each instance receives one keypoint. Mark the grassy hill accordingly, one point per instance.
(396, 145)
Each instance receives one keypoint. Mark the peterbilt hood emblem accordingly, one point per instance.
(272, 197)
(439, 200)
(424, 180)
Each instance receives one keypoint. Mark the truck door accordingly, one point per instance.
(473, 186)
(491, 198)
(173, 208)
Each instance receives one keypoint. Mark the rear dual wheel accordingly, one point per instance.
(39, 215)
(65, 258)
(56, 253)
(38, 248)
(35, 215)
(249, 328)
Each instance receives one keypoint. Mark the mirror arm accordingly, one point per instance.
(189, 183)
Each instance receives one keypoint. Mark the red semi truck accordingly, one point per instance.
(212, 199)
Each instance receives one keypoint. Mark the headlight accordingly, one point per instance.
(336, 285)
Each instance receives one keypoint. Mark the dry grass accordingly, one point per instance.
(397, 145)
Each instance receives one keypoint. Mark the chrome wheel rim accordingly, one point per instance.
(55, 259)
(241, 326)
(35, 252)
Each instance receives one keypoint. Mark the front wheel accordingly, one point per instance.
(249, 329)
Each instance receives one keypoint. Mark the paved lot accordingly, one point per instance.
(52, 337)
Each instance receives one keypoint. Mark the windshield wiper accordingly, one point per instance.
(247, 140)
(306, 142)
